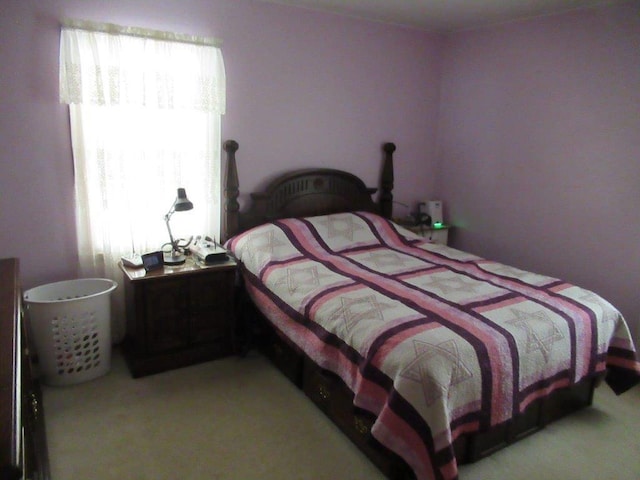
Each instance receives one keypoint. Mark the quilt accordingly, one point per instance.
(435, 342)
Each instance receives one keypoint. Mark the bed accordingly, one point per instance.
(426, 357)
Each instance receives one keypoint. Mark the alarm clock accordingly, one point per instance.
(152, 261)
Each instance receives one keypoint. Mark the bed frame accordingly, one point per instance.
(311, 192)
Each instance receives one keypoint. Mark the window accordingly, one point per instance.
(145, 110)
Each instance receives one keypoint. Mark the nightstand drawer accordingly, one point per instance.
(213, 291)
(165, 302)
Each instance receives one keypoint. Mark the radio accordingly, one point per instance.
(208, 251)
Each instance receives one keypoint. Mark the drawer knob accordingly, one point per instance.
(360, 426)
(35, 406)
(323, 392)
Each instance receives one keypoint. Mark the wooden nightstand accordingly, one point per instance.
(438, 235)
(178, 316)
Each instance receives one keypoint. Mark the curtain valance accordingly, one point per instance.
(102, 64)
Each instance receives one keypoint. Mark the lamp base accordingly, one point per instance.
(174, 258)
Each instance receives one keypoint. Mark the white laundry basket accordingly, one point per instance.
(70, 323)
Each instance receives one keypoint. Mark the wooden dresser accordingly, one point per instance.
(23, 447)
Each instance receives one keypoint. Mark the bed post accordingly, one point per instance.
(231, 192)
(386, 181)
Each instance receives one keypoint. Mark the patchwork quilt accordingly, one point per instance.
(434, 341)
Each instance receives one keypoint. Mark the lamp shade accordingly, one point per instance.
(182, 202)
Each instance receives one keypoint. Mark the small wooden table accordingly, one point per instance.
(179, 315)
(439, 235)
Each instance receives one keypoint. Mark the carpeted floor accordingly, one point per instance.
(240, 419)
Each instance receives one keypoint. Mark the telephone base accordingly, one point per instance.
(133, 260)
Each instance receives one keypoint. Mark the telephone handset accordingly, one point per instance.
(205, 241)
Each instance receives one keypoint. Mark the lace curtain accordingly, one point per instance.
(145, 113)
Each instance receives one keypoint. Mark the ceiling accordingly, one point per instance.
(442, 15)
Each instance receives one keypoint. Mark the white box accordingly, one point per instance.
(434, 208)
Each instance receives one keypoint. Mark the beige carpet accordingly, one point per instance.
(240, 419)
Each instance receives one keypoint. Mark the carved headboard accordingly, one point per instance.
(304, 193)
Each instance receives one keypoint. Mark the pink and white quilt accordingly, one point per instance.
(434, 341)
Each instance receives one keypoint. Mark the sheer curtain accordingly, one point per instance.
(145, 111)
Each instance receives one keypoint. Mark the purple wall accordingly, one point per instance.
(537, 124)
(304, 89)
(539, 148)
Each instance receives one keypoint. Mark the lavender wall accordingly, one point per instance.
(304, 89)
(538, 125)
(539, 156)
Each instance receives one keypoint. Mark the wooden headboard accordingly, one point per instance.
(304, 193)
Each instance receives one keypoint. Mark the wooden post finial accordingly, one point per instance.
(231, 146)
(389, 147)
(231, 192)
(386, 181)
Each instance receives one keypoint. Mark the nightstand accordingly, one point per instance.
(439, 235)
(178, 315)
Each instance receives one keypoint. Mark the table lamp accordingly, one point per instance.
(181, 204)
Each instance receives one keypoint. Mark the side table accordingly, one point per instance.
(178, 315)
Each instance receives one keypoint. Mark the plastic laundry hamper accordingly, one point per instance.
(70, 324)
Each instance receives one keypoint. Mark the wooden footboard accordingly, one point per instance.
(473, 447)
